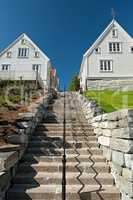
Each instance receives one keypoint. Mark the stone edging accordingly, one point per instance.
(9, 157)
(115, 137)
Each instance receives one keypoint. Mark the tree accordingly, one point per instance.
(75, 84)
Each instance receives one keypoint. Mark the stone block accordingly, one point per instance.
(96, 125)
(104, 141)
(97, 119)
(107, 132)
(27, 116)
(129, 160)
(126, 133)
(122, 145)
(127, 174)
(98, 131)
(108, 124)
(118, 158)
(116, 169)
(5, 178)
(126, 197)
(7, 160)
(17, 138)
(124, 185)
(123, 123)
(107, 153)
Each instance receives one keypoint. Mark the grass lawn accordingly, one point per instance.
(111, 100)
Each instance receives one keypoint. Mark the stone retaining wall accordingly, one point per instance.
(126, 84)
(115, 137)
(11, 154)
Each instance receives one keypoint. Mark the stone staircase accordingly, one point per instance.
(40, 172)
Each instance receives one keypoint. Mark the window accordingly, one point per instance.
(131, 49)
(98, 50)
(23, 52)
(5, 67)
(115, 47)
(9, 54)
(114, 33)
(106, 65)
(23, 41)
(37, 54)
(36, 67)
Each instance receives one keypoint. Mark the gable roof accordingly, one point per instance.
(100, 38)
(24, 36)
(103, 35)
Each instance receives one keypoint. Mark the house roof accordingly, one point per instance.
(100, 38)
(31, 42)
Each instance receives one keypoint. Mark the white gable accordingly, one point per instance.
(29, 43)
(113, 24)
(104, 51)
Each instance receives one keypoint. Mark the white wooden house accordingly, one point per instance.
(23, 59)
(109, 58)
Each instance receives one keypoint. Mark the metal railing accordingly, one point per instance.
(64, 153)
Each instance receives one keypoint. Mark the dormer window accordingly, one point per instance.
(37, 54)
(98, 50)
(114, 33)
(9, 54)
(23, 41)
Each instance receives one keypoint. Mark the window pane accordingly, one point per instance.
(105, 65)
(109, 67)
(110, 47)
(118, 47)
(101, 65)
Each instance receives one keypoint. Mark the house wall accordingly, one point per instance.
(23, 66)
(122, 62)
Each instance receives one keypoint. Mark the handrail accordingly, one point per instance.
(64, 153)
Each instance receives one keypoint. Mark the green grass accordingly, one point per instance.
(111, 100)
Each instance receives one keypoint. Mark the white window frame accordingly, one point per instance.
(5, 67)
(115, 47)
(37, 54)
(36, 67)
(23, 41)
(98, 50)
(23, 52)
(131, 49)
(116, 33)
(9, 54)
(106, 65)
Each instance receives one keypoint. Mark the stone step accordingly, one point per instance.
(59, 133)
(49, 192)
(44, 178)
(59, 151)
(88, 167)
(69, 137)
(59, 144)
(70, 158)
(83, 124)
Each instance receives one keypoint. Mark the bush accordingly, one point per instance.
(75, 84)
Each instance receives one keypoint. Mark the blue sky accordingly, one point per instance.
(63, 29)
